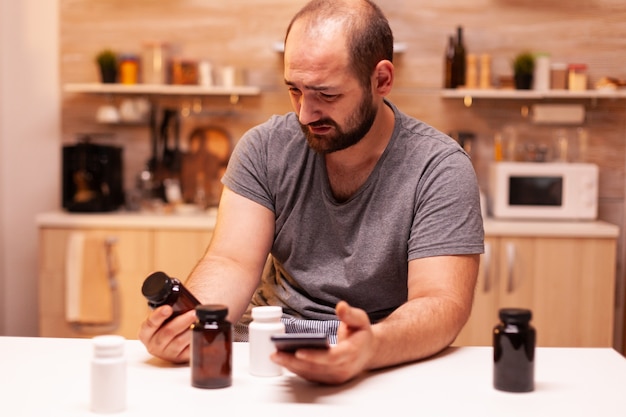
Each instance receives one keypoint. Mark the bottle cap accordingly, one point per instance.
(267, 312)
(157, 287)
(577, 67)
(209, 312)
(108, 346)
(516, 315)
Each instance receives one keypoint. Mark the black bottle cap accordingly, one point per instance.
(157, 287)
(515, 315)
(210, 312)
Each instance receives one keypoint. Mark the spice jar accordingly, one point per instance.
(129, 69)
(184, 71)
(558, 76)
(471, 71)
(211, 348)
(514, 351)
(577, 77)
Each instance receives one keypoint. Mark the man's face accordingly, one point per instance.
(334, 110)
(357, 124)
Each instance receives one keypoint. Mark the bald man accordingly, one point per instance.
(358, 220)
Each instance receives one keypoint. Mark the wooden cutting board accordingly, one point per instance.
(204, 163)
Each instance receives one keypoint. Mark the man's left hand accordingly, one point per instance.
(343, 361)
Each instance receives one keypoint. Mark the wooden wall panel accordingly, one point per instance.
(242, 32)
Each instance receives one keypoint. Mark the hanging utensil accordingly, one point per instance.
(153, 162)
(177, 154)
(167, 153)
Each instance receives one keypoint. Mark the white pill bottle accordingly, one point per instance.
(265, 323)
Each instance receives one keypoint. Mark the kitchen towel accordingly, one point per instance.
(88, 297)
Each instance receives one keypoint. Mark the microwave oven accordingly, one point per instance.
(543, 190)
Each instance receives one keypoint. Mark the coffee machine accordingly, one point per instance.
(92, 177)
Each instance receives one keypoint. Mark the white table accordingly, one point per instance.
(50, 377)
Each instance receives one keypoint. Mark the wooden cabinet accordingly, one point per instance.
(176, 252)
(90, 279)
(567, 282)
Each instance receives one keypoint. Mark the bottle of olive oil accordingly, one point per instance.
(447, 63)
(458, 61)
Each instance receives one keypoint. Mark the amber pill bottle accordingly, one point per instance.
(160, 289)
(211, 348)
(514, 351)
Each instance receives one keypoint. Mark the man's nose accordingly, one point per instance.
(307, 112)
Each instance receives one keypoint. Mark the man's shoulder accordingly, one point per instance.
(279, 123)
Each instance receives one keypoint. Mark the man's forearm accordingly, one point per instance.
(417, 330)
(222, 281)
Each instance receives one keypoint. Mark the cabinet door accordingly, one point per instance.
(176, 252)
(478, 329)
(568, 284)
(516, 269)
(97, 303)
(574, 290)
(504, 280)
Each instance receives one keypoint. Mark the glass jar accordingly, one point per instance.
(154, 63)
(577, 77)
(558, 76)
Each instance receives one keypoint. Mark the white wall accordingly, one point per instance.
(29, 151)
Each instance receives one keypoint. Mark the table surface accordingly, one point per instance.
(50, 377)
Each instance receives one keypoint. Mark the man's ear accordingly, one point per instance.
(383, 77)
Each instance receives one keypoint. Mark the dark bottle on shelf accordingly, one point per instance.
(447, 63)
(514, 351)
(211, 348)
(458, 62)
(160, 289)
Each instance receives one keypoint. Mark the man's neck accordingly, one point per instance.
(371, 147)
(350, 168)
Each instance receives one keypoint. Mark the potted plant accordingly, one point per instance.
(107, 63)
(523, 68)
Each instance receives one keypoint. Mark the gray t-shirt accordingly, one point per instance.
(420, 200)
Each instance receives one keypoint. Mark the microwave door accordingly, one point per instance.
(534, 191)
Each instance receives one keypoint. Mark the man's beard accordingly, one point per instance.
(361, 122)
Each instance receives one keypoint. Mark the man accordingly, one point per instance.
(372, 218)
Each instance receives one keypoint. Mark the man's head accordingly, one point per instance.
(337, 56)
(369, 39)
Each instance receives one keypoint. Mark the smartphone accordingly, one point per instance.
(290, 342)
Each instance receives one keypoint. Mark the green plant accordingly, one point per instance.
(106, 59)
(524, 63)
(107, 63)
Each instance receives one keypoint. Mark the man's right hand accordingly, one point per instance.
(172, 341)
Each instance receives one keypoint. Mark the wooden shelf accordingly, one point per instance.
(532, 94)
(154, 89)
(398, 47)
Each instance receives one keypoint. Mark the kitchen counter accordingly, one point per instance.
(589, 229)
(206, 221)
(47, 376)
(129, 220)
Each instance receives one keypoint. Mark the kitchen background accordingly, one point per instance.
(47, 45)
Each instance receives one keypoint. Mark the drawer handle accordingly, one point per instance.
(510, 267)
(487, 268)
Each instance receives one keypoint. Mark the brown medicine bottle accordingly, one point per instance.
(160, 289)
(211, 348)
(514, 351)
